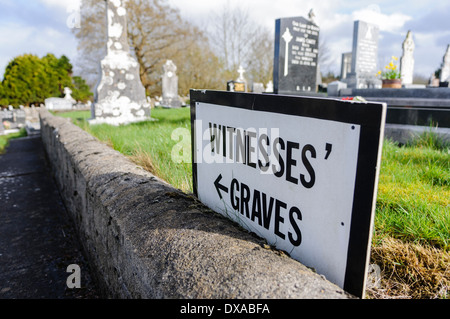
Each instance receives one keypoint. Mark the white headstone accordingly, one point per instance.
(407, 60)
(68, 96)
(346, 64)
(364, 56)
(119, 96)
(445, 70)
(269, 87)
(170, 86)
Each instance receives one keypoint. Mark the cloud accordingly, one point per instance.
(34, 27)
(434, 21)
(68, 5)
(387, 22)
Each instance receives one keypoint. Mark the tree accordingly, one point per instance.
(156, 33)
(29, 79)
(25, 81)
(238, 40)
(81, 91)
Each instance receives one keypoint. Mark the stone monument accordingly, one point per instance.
(119, 97)
(170, 86)
(240, 84)
(346, 64)
(407, 60)
(68, 96)
(364, 57)
(444, 78)
(296, 55)
(2, 129)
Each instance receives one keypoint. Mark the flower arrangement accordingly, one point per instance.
(391, 72)
(354, 98)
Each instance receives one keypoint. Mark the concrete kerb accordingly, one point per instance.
(146, 239)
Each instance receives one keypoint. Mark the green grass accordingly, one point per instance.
(150, 143)
(413, 202)
(4, 139)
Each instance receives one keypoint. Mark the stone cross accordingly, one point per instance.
(407, 60)
(68, 96)
(312, 16)
(445, 70)
(241, 72)
(287, 37)
(119, 96)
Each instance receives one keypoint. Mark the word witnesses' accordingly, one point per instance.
(269, 154)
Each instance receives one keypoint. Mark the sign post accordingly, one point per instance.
(300, 172)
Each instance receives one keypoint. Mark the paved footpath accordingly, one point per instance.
(37, 239)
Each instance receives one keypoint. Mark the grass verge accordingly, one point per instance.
(411, 239)
(4, 139)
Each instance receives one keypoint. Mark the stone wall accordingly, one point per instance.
(146, 239)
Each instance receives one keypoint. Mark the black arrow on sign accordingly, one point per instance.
(220, 186)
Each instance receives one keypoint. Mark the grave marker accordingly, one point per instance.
(2, 128)
(445, 69)
(364, 57)
(407, 60)
(299, 172)
(296, 56)
(119, 96)
(170, 86)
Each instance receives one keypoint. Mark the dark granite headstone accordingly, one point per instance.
(296, 56)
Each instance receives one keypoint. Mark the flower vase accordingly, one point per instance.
(392, 84)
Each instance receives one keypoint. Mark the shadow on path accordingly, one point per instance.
(37, 239)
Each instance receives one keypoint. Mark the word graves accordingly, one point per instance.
(296, 56)
(300, 172)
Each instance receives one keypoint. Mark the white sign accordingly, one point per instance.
(290, 179)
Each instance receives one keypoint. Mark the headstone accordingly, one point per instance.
(334, 88)
(2, 128)
(407, 60)
(433, 81)
(119, 96)
(269, 87)
(58, 104)
(230, 86)
(8, 118)
(170, 86)
(68, 96)
(364, 57)
(240, 84)
(258, 87)
(346, 64)
(296, 56)
(445, 69)
(20, 118)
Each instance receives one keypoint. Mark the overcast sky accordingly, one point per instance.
(42, 26)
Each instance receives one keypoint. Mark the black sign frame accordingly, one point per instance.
(370, 116)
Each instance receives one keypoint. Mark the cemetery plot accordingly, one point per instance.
(299, 172)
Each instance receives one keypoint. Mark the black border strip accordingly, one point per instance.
(370, 116)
